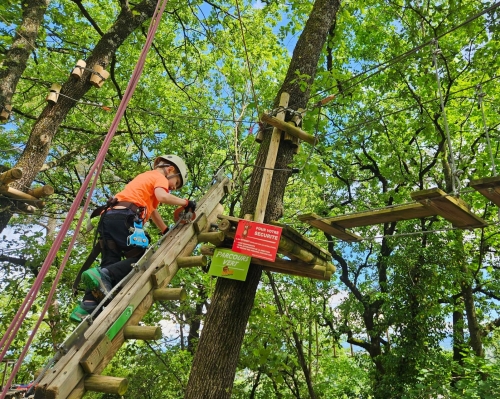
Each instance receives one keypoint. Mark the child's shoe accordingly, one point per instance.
(98, 281)
(78, 314)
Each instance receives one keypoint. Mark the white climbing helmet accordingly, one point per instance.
(167, 160)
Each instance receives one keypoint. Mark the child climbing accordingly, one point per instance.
(124, 214)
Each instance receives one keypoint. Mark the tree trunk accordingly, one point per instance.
(18, 54)
(45, 128)
(216, 359)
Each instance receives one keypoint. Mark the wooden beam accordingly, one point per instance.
(144, 333)
(452, 209)
(106, 384)
(489, 187)
(333, 229)
(10, 176)
(267, 174)
(289, 128)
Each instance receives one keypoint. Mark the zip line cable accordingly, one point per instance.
(93, 173)
(384, 65)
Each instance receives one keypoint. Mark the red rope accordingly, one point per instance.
(93, 172)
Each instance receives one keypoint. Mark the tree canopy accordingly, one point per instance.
(412, 310)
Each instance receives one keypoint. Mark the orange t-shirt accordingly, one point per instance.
(141, 190)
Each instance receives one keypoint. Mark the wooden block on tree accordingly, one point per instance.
(449, 207)
(489, 187)
(289, 128)
(335, 230)
(169, 294)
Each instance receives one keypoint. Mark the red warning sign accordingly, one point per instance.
(258, 240)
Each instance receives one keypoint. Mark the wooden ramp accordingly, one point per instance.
(433, 202)
(78, 369)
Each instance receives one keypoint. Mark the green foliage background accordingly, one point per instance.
(394, 321)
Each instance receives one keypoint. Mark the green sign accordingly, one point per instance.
(229, 264)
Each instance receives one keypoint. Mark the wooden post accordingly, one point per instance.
(106, 384)
(17, 194)
(192, 261)
(5, 112)
(168, 294)
(216, 237)
(267, 176)
(144, 333)
(10, 176)
(78, 70)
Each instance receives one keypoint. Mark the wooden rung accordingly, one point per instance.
(168, 294)
(106, 384)
(41, 192)
(10, 175)
(53, 95)
(216, 237)
(334, 230)
(192, 261)
(414, 210)
(288, 128)
(489, 187)
(452, 209)
(144, 333)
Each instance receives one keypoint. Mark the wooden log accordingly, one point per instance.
(10, 176)
(99, 76)
(207, 250)
(17, 194)
(226, 226)
(41, 192)
(5, 112)
(267, 175)
(77, 72)
(215, 237)
(289, 128)
(169, 294)
(144, 333)
(106, 384)
(294, 268)
(192, 261)
(53, 95)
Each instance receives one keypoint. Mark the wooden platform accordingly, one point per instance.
(433, 202)
(489, 187)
